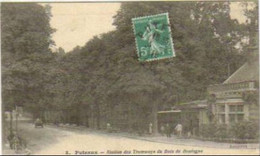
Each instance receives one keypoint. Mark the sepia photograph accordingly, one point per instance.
(130, 77)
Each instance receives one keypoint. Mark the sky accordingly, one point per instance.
(76, 23)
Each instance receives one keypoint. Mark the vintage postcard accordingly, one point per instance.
(130, 78)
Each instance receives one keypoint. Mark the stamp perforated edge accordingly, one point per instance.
(137, 49)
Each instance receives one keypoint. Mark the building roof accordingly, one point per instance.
(191, 105)
(194, 102)
(247, 72)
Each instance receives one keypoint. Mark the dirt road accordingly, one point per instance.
(51, 140)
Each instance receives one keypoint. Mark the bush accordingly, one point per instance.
(245, 130)
(207, 130)
(222, 131)
(214, 131)
(242, 130)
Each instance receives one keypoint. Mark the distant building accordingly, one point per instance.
(235, 100)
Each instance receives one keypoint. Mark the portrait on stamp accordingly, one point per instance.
(153, 37)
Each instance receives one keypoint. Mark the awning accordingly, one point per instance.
(230, 101)
(170, 111)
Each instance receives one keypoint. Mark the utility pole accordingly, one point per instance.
(16, 115)
(154, 117)
(228, 70)
(11, 122)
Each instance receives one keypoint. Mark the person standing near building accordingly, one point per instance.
(109, 129)
(150, 128)
(162, 129)
(178, 129)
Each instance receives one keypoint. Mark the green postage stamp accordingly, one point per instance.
(153, 37)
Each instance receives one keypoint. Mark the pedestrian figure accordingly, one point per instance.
(189, 134)
(27, 151)
(10, 139)
(109, 129)
(162, 130)
(150, 128)
(168, 130)
(178, 129)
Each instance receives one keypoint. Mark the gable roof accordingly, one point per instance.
(247, 72)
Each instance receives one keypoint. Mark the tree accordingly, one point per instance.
(25, 28)
(199, 30)
(250, 31)
(118, 85)
(26, 52)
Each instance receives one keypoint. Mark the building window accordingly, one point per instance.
(240, 117)
(236, 113)
(221, 113)
(240, 108)
(221, 108)
(232, 118)
(222, 118)
(232, 108)
(236, 108)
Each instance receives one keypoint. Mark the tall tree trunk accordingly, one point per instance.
(98, 116)
(11, 122)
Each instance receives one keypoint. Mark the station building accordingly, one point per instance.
(234, 100)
